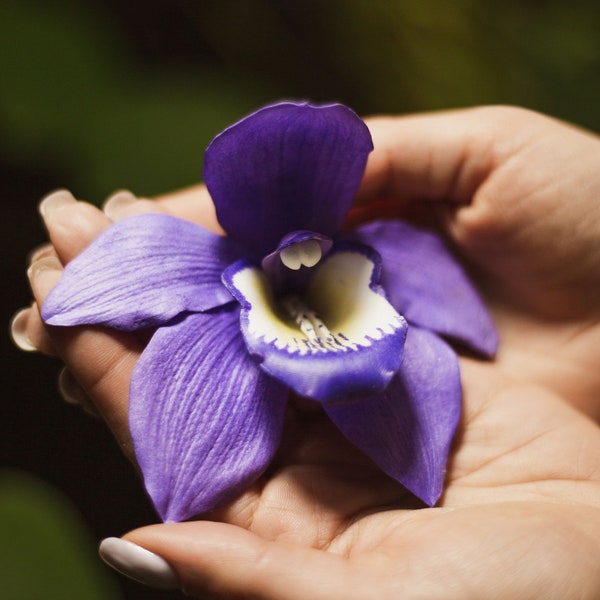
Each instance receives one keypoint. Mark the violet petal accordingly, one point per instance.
(408, 429)
(286, 167)
(205, 420)
(427, 285)
(340, 338)
(142, 271)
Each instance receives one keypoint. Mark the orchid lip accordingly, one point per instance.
(339, 323)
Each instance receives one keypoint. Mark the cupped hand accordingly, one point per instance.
(520, 517)
(517, 193)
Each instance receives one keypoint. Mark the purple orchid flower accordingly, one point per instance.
(285, 302)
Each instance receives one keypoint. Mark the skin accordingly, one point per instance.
(517, 193)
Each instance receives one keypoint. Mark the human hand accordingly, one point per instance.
(522, 493)
(517, 193)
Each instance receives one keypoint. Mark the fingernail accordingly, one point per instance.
(69, 389)
(40, 252)
(18, 331)
(47, 263)
(54, 201)
(73, 393)
(137, 563)
(117, 202)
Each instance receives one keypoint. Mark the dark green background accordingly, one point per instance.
(97, 96)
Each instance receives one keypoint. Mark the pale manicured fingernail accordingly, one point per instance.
(117, 202)
(139, 564)
(47, 263)
(69, 389)
(43, 275)
(73, 393)
(54, 201)
(18, 331)
(40, 252)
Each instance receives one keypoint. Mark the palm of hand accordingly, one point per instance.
(518, 486)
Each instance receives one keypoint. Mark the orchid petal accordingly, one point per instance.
(142, 271)
(286, 167)
(408, 429)
(342, 338)
(205, 420)
(428, 285)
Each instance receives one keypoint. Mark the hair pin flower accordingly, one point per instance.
(358, 321)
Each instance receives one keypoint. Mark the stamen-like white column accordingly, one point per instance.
(305, 253)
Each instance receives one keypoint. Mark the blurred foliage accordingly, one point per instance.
(74, 98)
(44, 552)
(112, 94)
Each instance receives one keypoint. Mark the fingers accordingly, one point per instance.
(498, 179)
(103, 360)
(436, 156)
(71, 225)
(72, 392)
(30, 335)
(494, 171)
(225, 561)
(26, 327)
(194, 204)
(123, 204)
(28, 332)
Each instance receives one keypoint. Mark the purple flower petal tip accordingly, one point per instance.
(408, 429)
(199, 444)
(140, 272)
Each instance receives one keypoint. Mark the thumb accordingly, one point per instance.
(225, 561)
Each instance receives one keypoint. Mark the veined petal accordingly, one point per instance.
(428, 285)
(142, 271)
(341, 338)
(286, 167)
(408, 429)
(205, 419)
